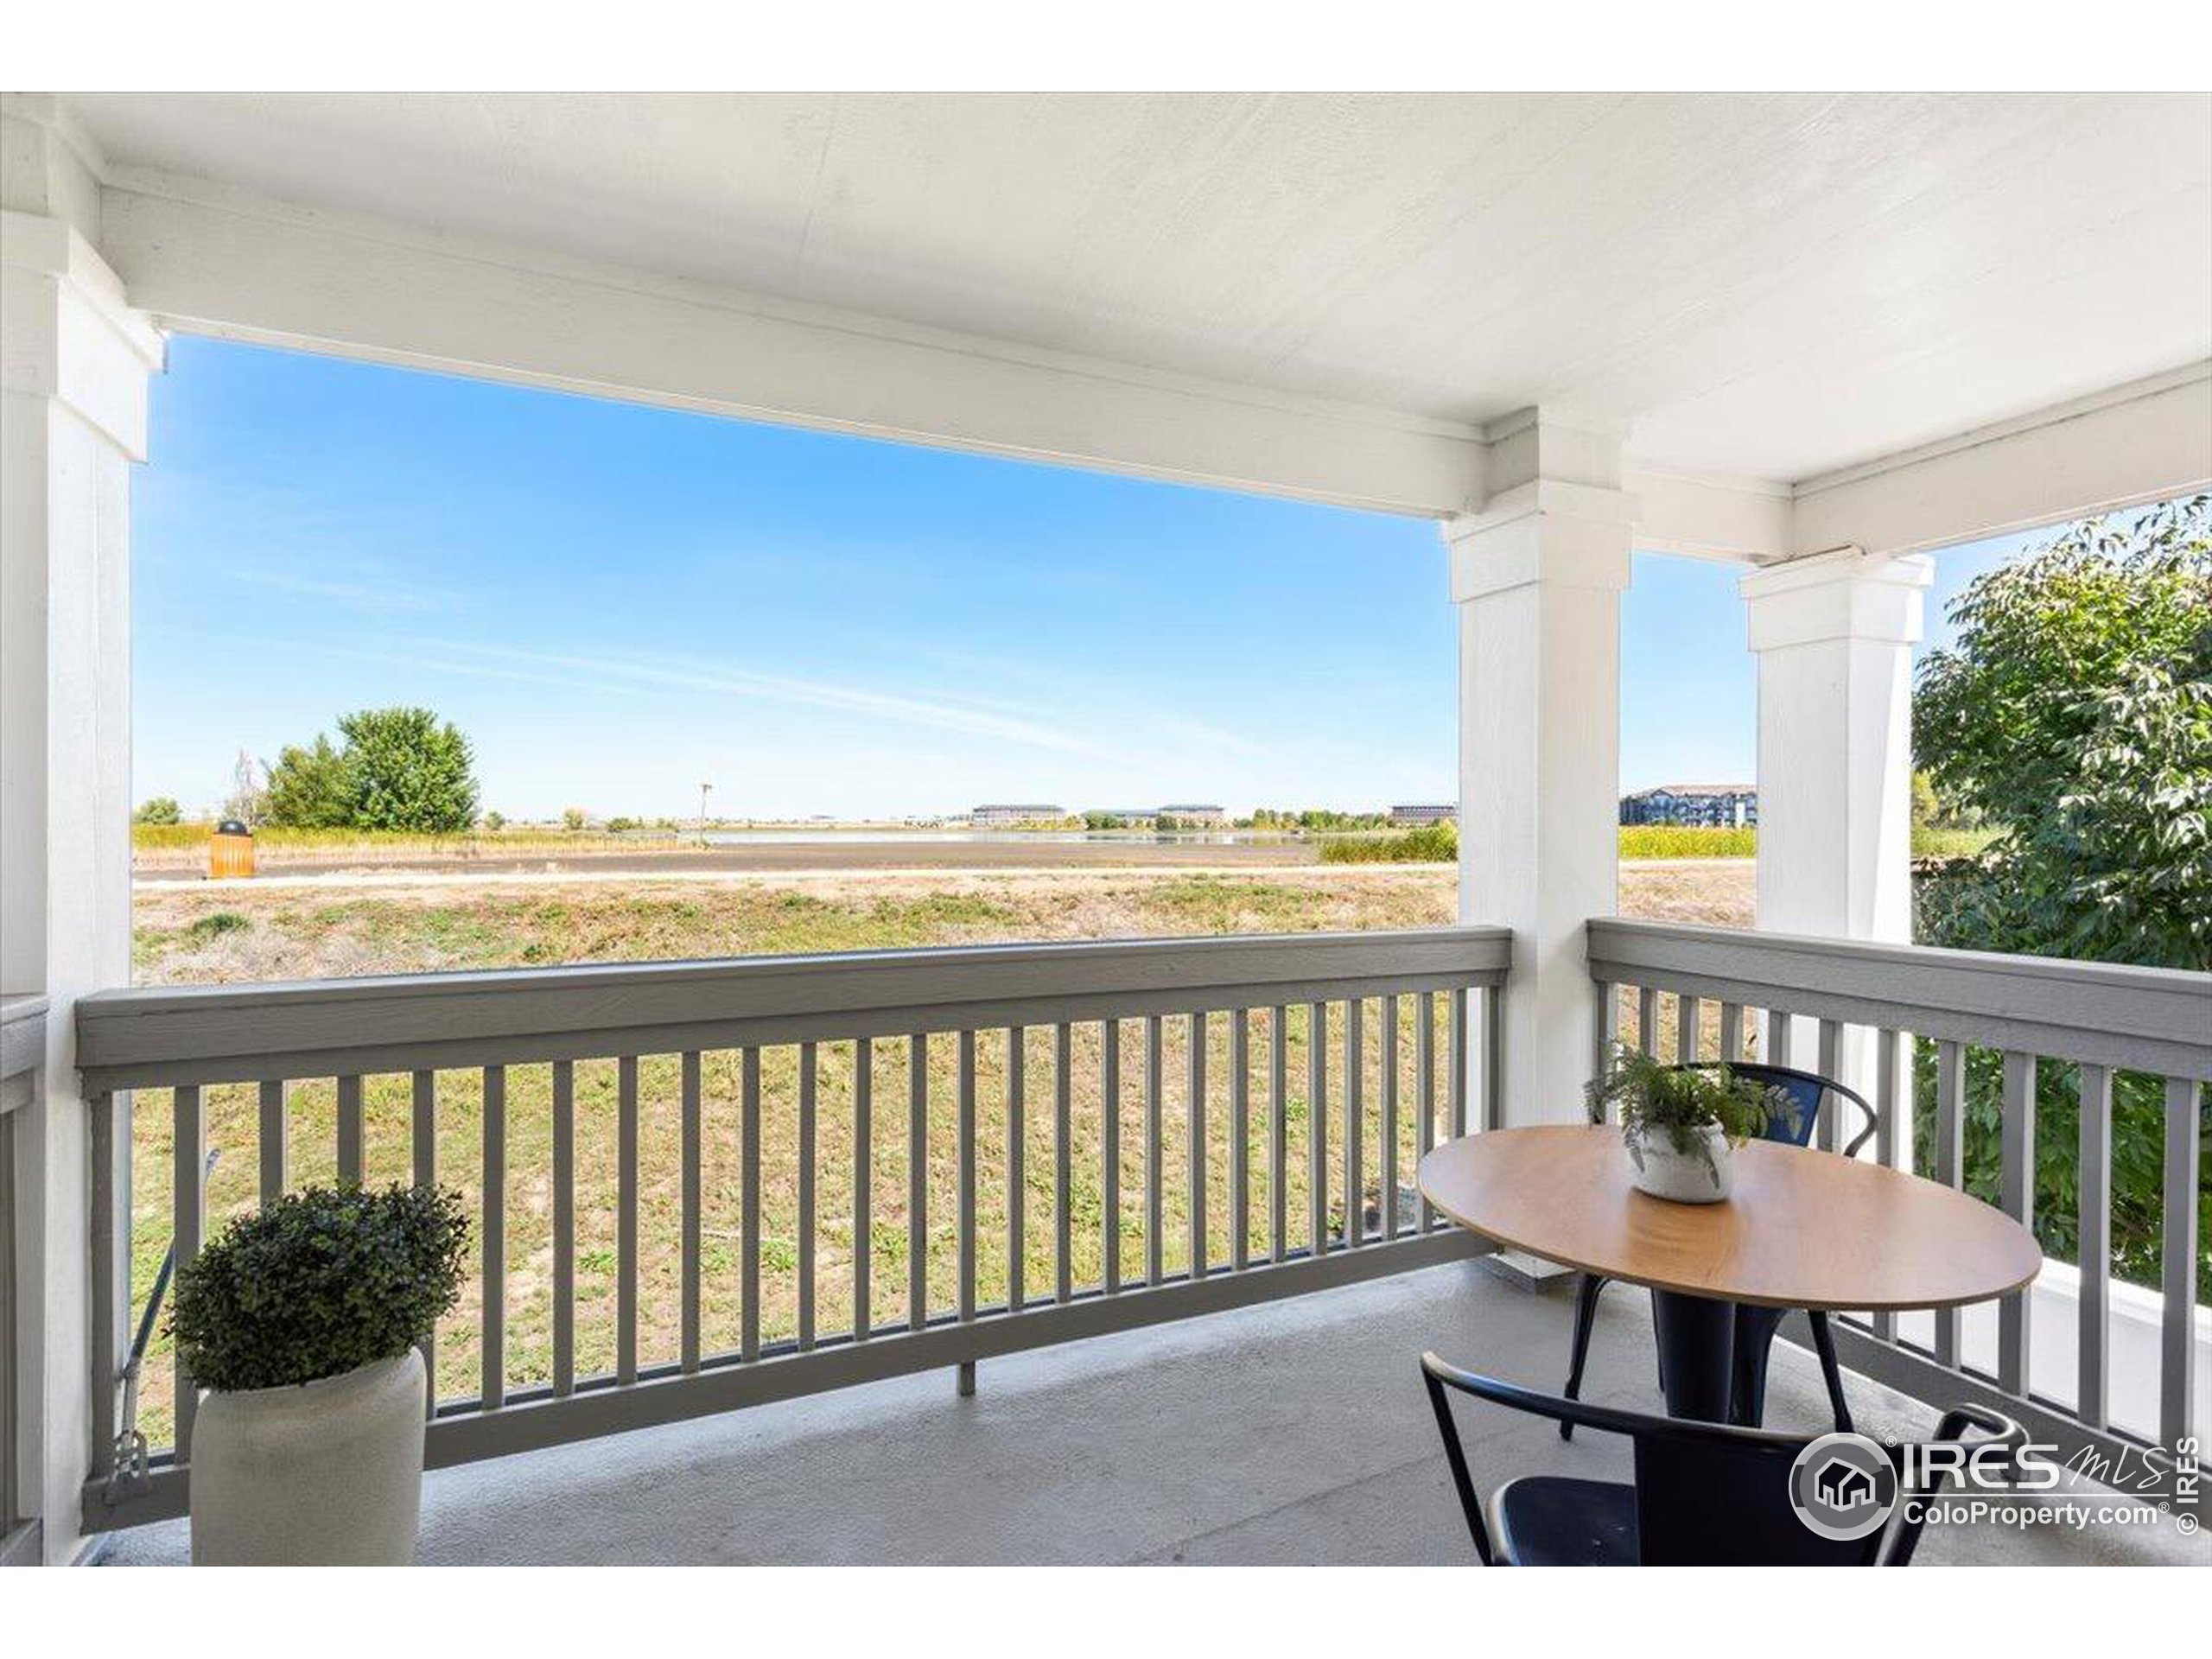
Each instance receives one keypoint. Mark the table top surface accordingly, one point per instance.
(1800, 1229)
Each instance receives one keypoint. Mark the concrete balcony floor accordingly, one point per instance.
(1293, 1433)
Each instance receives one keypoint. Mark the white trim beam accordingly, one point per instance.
(2147, 441)
(211, 262)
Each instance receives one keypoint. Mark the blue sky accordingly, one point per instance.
(617, 603)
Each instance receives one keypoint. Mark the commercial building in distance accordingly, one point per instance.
(1004, 817)
(1432, 813)
(1198, 815)
(1706, 806)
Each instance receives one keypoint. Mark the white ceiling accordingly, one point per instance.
(1768, 286)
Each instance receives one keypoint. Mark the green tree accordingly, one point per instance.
(2075, 715)
(162, 809)
(399, 769)
(310, 788)
(409, 771)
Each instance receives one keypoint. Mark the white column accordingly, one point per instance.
(1537, 575)
(1834, 634)
(74, 369)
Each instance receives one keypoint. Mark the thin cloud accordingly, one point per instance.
(373, 594)
(778, 687)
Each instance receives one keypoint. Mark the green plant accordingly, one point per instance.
(1680, 1103)
(317, 1284)
(2075, 713)
(205, 928)
(399, 769)
(161, 809)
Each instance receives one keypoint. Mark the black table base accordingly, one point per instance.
(1713, 1357)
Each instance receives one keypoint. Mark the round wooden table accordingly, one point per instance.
(1801, 1229)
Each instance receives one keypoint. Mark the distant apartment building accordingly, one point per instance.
(1198, 815)
(1705, 806)
(1004, 817)
(1413, 815)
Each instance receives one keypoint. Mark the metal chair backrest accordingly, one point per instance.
(1804, 1090)
(1707, 1494)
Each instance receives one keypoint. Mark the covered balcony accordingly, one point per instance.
(1189, 1266)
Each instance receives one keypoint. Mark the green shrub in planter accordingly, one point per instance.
(1677, 1105)
(317, 1284)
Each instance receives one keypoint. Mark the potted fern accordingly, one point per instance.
(301, 1323)
(1682, 1124)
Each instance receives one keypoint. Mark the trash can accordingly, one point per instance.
(229, 850)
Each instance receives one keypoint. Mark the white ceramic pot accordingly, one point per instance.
(323, 1474)
(1683, 1177)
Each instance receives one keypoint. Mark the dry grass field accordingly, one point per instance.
(187, 935)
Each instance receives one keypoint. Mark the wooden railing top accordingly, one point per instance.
(217, 1034)
(2145, 1018)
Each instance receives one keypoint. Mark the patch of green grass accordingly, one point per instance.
(215, 924)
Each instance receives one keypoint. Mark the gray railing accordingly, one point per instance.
(697, 1186)
(1691, 992)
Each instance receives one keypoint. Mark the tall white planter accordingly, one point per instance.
(326, 1473)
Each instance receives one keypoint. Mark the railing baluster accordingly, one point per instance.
(964, 1171)
(2178, 1276)
(808, 1088)
(1110, 1161)
(863, 1185)
(276, 1171)
(1153, 1148)
(1732, 1031)
(564, 1219)
(110, 1215)
(424, 1132)
(1689, 1014)
(918, 1180)
(1425, 1079)
(1493, 1113)
(1605, 1025)
(749, 1203)
(1950, 1165)
(1063, 1161)
(1777, 1038)
(1017, 1160)
(1316, 1128)
(1885, 1136)
(1194, 1125)
(1355, 1122)
(188, 1159)
(1388, 1174)
(351, 1152)
(688, 1268)
(1831, 1065)
(1278, 1133)
(625, 1219)
(2093, 1235)
(494, 1350)
(1647, 1020)
(2017, 1189)
(1240, 1138)
(1455, 1082)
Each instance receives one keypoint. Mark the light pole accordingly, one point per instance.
(703, 790)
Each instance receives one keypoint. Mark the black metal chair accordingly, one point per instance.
(1704, 1494)
(1755, 1327)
